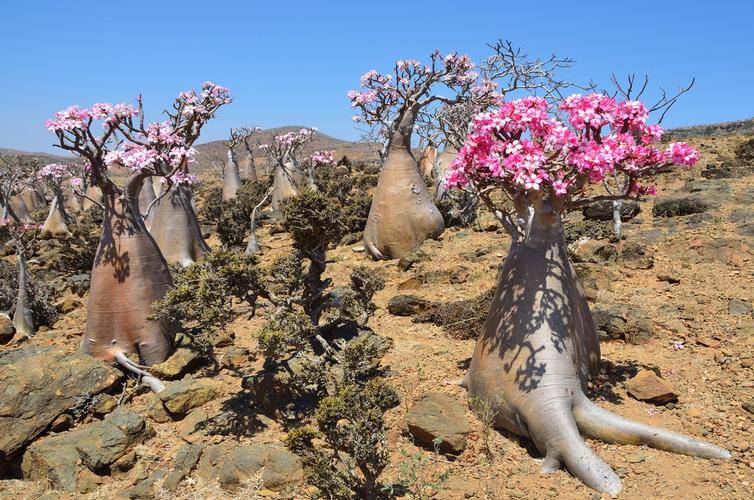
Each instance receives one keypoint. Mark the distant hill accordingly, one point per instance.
(216, 151)
(41, 157)
(713, 129)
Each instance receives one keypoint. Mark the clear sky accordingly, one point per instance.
(291, 62)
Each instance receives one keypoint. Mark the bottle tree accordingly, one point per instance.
(284, 152)
(402, 214)
(14, 171)
(539, 346)
(129, 272)
(172, 220)
(53, 176)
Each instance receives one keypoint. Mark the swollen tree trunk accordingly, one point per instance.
(129, 274)
(73, 201)
(286, 179)
(57, 220)
(249, 168)
(92, 198)
(231, 176)
(33, 200)
(441, 167)
(146, 197)
(617, 222)
(402, 214)
(18, 210)
(427, 162)
(175, 228)
(23, 318)
(537, 350)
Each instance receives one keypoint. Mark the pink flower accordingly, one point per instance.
(68, 119)
(323, 158)
(681, 153)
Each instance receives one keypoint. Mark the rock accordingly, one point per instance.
(603, 211)
(674, 206)
(232, 464)
(105, 404)
(436, 415)
(410, 284)
(184, 462)
(180, 362)
(737, 307)
(408, 261)
(636, 458)
(78, 283)
(459, 276)
(87, 481)
(124, 463)
(749, 405)
(633, 255)
(62, 423)
(726, 169)
(407, 305)
(7, 330)
(622, 322)
(156, 410)
(69, 303)
(39, 384)
(192, 424)
(669, 278)
(183, 396)
(59, 459)
(647, 386)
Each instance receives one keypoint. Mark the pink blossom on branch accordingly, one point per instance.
(323, 158)
(521, 146)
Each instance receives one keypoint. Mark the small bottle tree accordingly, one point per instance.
(539, 345)
(284, 152)
(53, 176)
(129, 271)
(403, 214)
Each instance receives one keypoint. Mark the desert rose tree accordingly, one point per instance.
(22, 236)
(539, 346)
(172, 221)
(284, 152)
(129, 272)
(403, 214)
(231, 170)
(53, 176)
(14, 171)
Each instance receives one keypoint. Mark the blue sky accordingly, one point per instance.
(292, 62)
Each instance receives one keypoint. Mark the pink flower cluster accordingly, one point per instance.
(522, 146)
(180, 178)
(80, 118)
(294, 138)
(323, 158)
(54, 172)
(201, 106)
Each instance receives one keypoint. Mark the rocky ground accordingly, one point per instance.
(673, 303)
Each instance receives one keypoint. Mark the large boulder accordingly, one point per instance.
(62, 460)
(233, 464)
(7, 330)
(39, 384)
(438, 416)
(603, 210)
(675, 206)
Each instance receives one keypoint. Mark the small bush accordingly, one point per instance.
(462, 319)
(200, 301)
(351, 424)
(745, 151)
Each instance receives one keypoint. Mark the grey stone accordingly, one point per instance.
(622, 322)
(436, 415)
(39, 384)
(737, 307)
(407, 305)
(181, 397)
(180, 362)
(678, 205)
(7, 330)
(232, 464)
(95, 447)
(603, 211)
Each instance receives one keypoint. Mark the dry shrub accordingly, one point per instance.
(462, 319)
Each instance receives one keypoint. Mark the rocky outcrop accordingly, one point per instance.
(64, 460)
(233, 464)
(37, 385)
